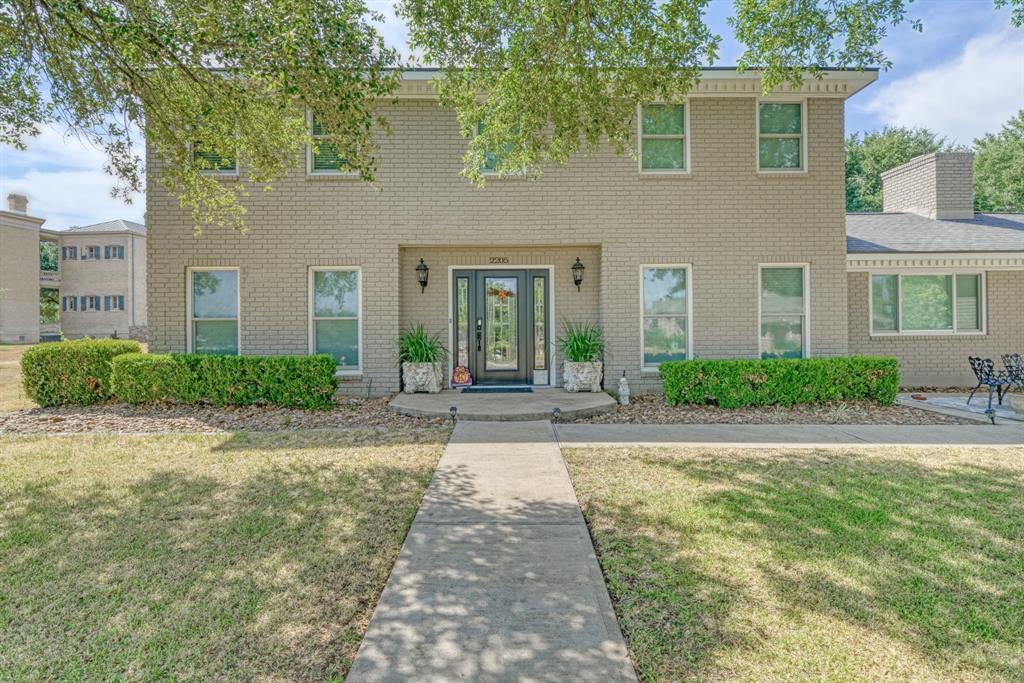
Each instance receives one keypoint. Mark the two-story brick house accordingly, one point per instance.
(724, 237)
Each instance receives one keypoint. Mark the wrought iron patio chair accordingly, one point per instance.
(1014, 370)
(984, 370)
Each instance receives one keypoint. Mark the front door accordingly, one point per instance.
(501, 324)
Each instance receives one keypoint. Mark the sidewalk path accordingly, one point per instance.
(789, 436)
(497, 579)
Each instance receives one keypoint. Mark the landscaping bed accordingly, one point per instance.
(651, 409)
(169, 417)
(256, 557)
(836, 564)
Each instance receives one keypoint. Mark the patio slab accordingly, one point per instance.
(957, 405)
(504, 407)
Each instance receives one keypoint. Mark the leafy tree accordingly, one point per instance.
(232, 79)
(49, 305)
(868, 156)
(999, 168)
(47, 255)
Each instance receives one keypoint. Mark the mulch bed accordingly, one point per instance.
(652, 409)
(348, 412)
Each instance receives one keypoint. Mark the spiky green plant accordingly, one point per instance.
(416, 345)
(581, 342)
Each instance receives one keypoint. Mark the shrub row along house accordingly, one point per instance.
(725, 236)
(91, 283)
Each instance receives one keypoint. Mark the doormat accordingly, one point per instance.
(497, 390)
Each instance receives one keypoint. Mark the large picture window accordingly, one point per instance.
(783, 311)
(666, 314)
(932, 303)
(663, 138)
(214, 312)
(780, 136)
(335, 316)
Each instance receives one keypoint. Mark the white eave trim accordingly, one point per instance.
(999, 260)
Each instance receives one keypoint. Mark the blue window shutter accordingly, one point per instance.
(83, 302)
(120, 252)
(120, 302)
(106, 303)
(64, 304)
(106, 252)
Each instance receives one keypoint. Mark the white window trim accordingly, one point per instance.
(802, 101)
(983, 303)
(806, 351)
(332, 173)
(686, 141)
(230, 173)
(644, 368)
(190, 321)
(345, 371)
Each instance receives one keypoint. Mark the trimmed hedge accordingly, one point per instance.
(289, 381)
(71, 372)
(785, 382)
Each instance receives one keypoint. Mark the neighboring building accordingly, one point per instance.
(723, 238)
(99, 284)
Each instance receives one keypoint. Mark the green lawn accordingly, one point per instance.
(12, 396)
(245, 557)
(891, 564)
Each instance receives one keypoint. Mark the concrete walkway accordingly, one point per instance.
(497, 579)
(789, 436)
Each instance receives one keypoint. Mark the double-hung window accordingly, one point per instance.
(70, 303)
(927, 303)
(113, 251)
(663, 138)
(493, 158)
(323, 158)
(781, 136)
(666, 314)
(784, 311)
(334, 315)
(113, 302)
(213, 311)
(69, 253)
(91, 253)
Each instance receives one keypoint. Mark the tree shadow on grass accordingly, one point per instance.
(272, 573)
(924, 554)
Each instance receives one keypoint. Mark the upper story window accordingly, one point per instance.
(932, 303)
(784, 311)
(91, 253)
(492, 159)
(663, 140)
(666, 314)
(69, 253)
(113, 302)
(781, 136)
(334, 315)
(322, 157)
(90, 302)
(213, 311)
(113, 251)
(213, 163)
(69, 303)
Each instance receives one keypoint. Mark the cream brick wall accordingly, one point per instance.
(941, 360)
(723, 220)
(104, 277)
(19, 279)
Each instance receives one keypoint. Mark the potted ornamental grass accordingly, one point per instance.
(421, 356)
(582, 346)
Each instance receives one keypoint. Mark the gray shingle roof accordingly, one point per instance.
(868, 233)
(111, 226)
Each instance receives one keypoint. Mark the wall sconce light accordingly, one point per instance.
(577, 273)
(422, 272)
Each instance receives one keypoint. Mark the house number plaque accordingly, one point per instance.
(498, 260)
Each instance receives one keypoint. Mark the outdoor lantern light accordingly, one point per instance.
(577, 273)
(422, 271)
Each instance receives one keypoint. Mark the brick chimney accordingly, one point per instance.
(937, 185)
(17, 203)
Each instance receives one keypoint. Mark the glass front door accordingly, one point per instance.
(500, 325)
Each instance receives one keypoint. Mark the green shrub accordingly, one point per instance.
(415, 345)
(581, 342)
(785, 382)
(289, 381)
(71, 372)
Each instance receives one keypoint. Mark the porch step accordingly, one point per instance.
(504, 407)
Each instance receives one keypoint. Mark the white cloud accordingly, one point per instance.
(964, 97)
(72, 197)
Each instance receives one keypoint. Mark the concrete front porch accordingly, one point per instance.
(504, 407)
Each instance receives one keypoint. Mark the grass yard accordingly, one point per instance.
(200, 557)
(890, 564)
(12, 396)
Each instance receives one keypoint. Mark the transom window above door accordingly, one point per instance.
(663, 140)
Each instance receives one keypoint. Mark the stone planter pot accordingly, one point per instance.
(582, 376)
(1017, 403)
(421, 377)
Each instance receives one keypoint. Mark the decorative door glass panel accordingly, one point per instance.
(462, 321)
(501, 344)
(539, 326)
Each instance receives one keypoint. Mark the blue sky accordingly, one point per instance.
(962, 76)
